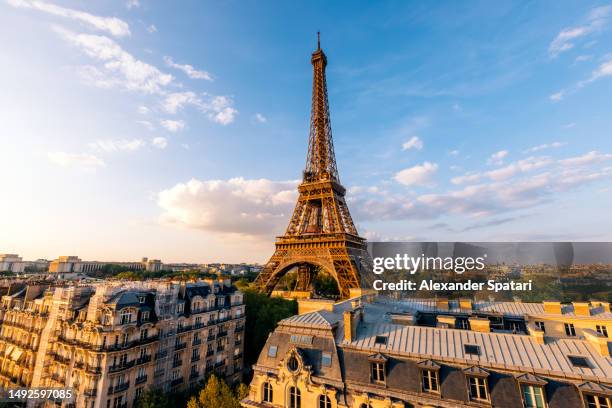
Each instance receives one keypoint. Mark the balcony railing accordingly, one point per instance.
(176, 381)
(177, 363)
(91, 392)
(161, 354)
(195, 358)
(120, 367)
(141, 379)
(196, 342)
(180, 346)
(118, 388)
(143, 359)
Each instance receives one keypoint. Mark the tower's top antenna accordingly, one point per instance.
(318, 40)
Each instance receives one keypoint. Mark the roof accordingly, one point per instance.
(321, 319)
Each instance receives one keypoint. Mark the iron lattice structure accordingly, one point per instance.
(321, 233)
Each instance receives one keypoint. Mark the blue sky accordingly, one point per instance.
(179, 130)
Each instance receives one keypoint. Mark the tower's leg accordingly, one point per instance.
(305, 276)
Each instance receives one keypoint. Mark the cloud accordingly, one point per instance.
(260, 118)
(146, 124)
(586, 159)
(111, 25)
(188, 69)
(119, 68)
(544, 146)
(85, 161)
(152, 29)
(566, 38)
(604, 70)
(218, 109)
(160, 142)
(172, 125)
(497, 158)
(453, 153)
(130, 4)
(466, 178)
(413, 143)
(235, 206)
(557, 96)
(143, 110)
(117, 145)
(420, 175)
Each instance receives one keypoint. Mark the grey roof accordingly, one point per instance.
(506, 308)
(321, 319)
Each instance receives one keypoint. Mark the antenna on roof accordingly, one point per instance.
(318, 40)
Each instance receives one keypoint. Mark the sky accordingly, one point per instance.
(178, 130)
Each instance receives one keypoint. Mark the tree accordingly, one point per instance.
(152, 399)
(216, 393)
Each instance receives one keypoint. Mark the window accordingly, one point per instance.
(145, 316)
(378, 371)
(578, 361)
(597, 401)
(515, 326)
(295, 397)
(324, 401)
(267, 392)
(139, 392)
(126, 316)
(603, 330)
(471, 349)
(430, 381)
(570, 330)
(533, 396)
(478, 388)
(292, 364)
(540, 326)
(326, 359)
(381, 340)
(141, 299)
(272, 351)
(144, 333)
(464, 324)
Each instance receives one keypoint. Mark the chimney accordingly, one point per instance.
(552, 307)
(535, 333)
(582, 308)
(599, 341)
(442, 304)
(480, 324)
(351, 320)
(447, 322)
(465, 304)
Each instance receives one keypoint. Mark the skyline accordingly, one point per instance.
(454, 122)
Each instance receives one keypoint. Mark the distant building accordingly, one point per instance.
(111, 341)
(371, 352)
(11, 263)
(74, 264)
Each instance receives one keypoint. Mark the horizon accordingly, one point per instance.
(180, 132)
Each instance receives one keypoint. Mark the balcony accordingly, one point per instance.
(195, 358)
(143, 360)
(91, 392)
(118, 388)
(193, 375)
(237, 356)
(158, 373)
(176, 382)
(93, 370)
(220, 364)
(180, 346)
(177, 363)
(238, 329)
(222, 333)
(141, 379)
(196, 342)
(121, 367)
(161, 354)
(237, 342)
(198, 325)
(210, 353)
(211, 337)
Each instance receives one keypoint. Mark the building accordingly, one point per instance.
(11, 263)
(111, 341)
(74, 264)
(370, 352)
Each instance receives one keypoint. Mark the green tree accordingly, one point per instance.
(216, 393)
(153, 399)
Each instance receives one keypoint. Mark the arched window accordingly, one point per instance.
(295, 397)
(293, 364)
(365, 406)
(324, 401)
(267, 392)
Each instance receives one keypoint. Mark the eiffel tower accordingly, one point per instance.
(321, 234)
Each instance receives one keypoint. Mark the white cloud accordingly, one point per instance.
(109, 145)
(234, 206)
(413, 143)
(557, 96)
(160, 142)
(260, 118)
(586, 159)
(498, 157)
(146, 124)
(521, 166)
(143, 110)
(172, 125)
(111, 25)
(466, 178)
(603, 70)
(119, 68)
(582, 58)
(82, 160)
(544, 146)
(188, 69)
(152, 29)
(565, 40)
(454, 153)
(419, 175)
(130, 4)
(569, 125)
(218, 109)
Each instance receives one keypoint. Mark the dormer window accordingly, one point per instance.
(570, 331)
(293, 364)
(603, 330)
(126, 317)
(430, 380)
(478, 388)
(378, 365)
(142, 299)
(597, 401)
(145, 316)
(532, 390)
